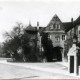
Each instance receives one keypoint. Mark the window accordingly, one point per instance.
(63, 37)
(54, 26)
(51, 27)
(57, 39)
(79, 32)
(59, 26)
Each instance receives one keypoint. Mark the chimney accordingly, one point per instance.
(73, 26)
(37, 25)
(29, 23)
(71, 19)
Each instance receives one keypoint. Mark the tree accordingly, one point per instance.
(48, 47)
(67, 46)
(13, 41)
(19, 44)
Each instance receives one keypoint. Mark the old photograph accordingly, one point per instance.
(39, 39)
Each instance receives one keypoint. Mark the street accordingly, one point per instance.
(9, 71)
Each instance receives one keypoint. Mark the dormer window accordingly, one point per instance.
(51, 27)
(59, 26)
(54, 26)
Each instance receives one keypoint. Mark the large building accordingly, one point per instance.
(59, 32)
(56, 32)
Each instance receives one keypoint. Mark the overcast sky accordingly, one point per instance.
(12, 11)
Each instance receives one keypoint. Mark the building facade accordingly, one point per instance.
(62, 32)
(74, 28)
(58, 32)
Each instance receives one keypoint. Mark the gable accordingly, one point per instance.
(54, 24)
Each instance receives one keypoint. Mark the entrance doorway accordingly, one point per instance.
(71, 64)
(57, 55)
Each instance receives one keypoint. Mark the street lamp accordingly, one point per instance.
(74, 39)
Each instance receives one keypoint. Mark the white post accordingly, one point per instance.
(69, 64)
(76, 65)
(63, 55)
(73, 52)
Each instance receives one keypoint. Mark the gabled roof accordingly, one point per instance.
(53, 21)
(77, 21)
(67, 26)
(70, 25)
(55, 17)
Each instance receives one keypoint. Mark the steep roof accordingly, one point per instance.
(33, 29)
(30, 28)
(77, 21)
(55, 18)
(70, 25)
(67, 26)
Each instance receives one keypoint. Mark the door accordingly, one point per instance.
(71, 64)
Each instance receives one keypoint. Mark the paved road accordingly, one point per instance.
(18, 72)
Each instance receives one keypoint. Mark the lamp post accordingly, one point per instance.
(76, 69)
(75, 39)
(73, 57)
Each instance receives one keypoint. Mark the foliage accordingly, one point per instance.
(48, 47)
(68, 45)
(19, 45)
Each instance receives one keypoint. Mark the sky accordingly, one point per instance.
(25, 11)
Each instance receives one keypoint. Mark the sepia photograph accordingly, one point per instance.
(39, 39)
